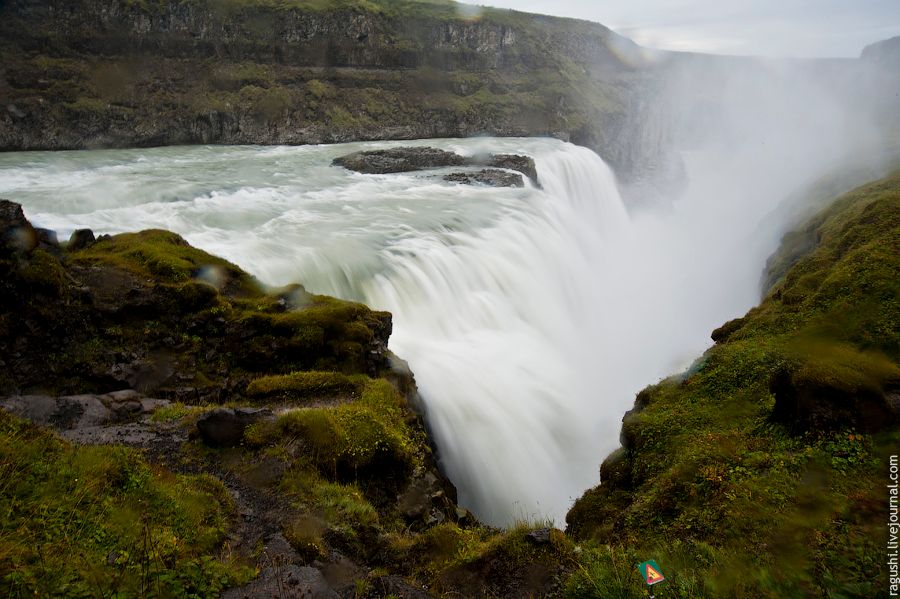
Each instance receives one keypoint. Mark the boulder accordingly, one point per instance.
(80, 239)
(398, 160)
(491, 177)
(224, 427)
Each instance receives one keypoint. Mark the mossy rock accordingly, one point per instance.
(166, 257)
(300, 386)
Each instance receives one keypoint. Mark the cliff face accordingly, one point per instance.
(121, 73)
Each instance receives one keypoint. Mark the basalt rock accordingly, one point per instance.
(411, 159)
(80, 239)
(398, 160)
(491, 177)
(224, 427)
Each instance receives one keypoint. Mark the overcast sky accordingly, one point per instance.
(802, 28)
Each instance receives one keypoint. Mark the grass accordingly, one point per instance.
(100, 521)
(731, 492)
(367, 437)
(305, 385)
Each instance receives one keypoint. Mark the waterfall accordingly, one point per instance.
(498, 326)
(530, 316)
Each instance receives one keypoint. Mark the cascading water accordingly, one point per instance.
(529, 316)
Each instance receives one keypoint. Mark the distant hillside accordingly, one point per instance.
(89, 73)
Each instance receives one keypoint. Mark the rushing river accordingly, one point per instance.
(529, 316)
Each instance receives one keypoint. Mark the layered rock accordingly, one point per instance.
(111, 73)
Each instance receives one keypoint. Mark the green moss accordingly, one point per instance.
(305, 385)
(166, 257)
(365, 437)
(99, 521)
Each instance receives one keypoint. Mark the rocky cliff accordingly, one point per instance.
(126, 73)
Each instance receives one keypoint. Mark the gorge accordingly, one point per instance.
(530, 316)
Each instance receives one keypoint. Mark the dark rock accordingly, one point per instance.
(143, 374)
(395, 586)
(16, 233)
(285, 582)
(398, 160)
(80, 239)
(515, 162)
(541, 536)
(492, 177)
(825, 405)
(224, 427)
(15, 111)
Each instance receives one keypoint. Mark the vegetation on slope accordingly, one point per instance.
(102, 522)
(760, 471)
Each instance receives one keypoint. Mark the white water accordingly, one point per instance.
(530, 317)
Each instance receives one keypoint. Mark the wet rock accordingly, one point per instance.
(80, 239)
(415, 501)
(77, 411)
(492, 177)
(72, 412)
(398, 160)
(224, 427)
(404, 160)
(515, 162)
(285, 582)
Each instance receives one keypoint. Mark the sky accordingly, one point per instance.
(796, 28)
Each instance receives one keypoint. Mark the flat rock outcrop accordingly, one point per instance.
(411, 159)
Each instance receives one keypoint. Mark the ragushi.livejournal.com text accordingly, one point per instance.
(893, 552)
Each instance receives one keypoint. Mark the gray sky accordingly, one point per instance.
(801, 28)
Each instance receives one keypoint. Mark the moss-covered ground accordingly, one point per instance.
(103, 522)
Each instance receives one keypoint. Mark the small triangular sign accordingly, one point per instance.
(651, 572)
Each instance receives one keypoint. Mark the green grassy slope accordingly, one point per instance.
(761, 471)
